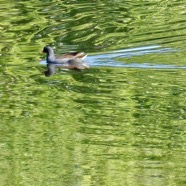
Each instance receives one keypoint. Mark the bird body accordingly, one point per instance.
(72, 60)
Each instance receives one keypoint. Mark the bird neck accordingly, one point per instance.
(50, 57)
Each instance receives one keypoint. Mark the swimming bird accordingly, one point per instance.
(73, 60)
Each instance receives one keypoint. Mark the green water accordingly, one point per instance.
(121, 122)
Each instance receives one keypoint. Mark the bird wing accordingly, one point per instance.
(74, 55)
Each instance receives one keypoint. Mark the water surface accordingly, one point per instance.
(121, 122)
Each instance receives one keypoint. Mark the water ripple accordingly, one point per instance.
(110, 59)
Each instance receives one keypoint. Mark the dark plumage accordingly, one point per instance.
(70, 60)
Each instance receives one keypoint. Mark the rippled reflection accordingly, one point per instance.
(120, 122)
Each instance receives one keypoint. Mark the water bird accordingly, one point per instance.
(73, 60)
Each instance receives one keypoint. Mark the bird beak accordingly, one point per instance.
(42, 52)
